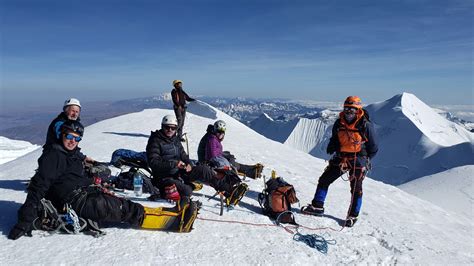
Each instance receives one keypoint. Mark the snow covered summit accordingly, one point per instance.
(394, 226)
(415, 141)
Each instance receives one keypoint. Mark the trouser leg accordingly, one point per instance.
(101, 207)
(356, 192)
(330, 174)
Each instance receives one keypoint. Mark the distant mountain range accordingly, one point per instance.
(30, 124)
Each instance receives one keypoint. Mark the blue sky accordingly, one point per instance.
(318, 50)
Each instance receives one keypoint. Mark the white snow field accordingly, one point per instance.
(11, 149)
(394, 226)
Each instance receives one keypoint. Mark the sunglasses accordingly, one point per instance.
(169, 128)
(72, 137)
(352, 109)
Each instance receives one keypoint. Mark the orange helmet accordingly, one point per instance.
(353, 101)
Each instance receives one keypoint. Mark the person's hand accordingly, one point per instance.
(188, 168)
(181, 165)
(89, 160)
(19, 230)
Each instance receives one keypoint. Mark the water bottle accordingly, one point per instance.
(138, 183)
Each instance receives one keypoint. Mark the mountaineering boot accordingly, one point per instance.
(237, 193)
(258, 170)
(251, 171)
(350, 221)
(179, 218)
(196, 186)
(312, 210)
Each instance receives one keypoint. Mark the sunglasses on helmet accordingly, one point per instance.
(72, 137)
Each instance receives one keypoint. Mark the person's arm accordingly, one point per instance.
(333, 145)
(183, 155)
(186, 96)
(155, 161)
(174, 97)
(371, 145)
(212, 148)
(49, 168)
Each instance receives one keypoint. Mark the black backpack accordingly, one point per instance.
(276, 199)
(125, 181)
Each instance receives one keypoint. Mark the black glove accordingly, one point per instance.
(330, 150)
(191, 100)
(19, 230)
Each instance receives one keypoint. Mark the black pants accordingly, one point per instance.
(180, 116)
(248, 170)
(91, 203)
(333, 172)
(201, 173)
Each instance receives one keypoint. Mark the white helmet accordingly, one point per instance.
(72, 101)
(219, 126)
(169, 120)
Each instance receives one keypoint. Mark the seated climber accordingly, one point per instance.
(210, 151)
(62, 180)
(173, 173)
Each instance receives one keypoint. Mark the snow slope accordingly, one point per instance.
(394, 226)
(11, 149)
(451, 189)
(275, 130)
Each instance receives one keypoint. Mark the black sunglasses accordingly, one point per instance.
(169, 128)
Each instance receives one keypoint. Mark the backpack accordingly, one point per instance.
(276, 199)
(125, 181)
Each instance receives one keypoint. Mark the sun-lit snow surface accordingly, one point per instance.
(416, 141)
(451, 189)
(394, 226)
(11, 149)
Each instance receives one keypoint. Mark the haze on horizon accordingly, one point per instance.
(315, 50)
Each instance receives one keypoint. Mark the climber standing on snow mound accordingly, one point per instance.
(354, 143)
(179, 97)
(62, 179)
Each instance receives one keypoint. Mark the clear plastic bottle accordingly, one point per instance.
(138, 183)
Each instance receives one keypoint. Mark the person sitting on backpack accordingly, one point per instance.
(172, 171)
(71, 111)
(354, 143)
(61, 178)
(210, 151)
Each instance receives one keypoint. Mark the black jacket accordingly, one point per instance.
(180, 97)
(163, 154)
(369, 148)
(53, 134)
(59, 173)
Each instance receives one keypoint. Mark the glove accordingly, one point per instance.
(330, 150)
(19, 230)
(191, 100)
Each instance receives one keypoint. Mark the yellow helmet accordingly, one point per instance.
(176, 81)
